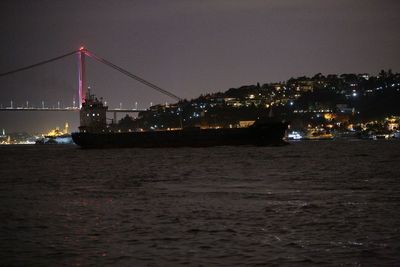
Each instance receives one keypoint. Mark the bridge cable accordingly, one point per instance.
(38, 64)
(127, 73)
(102, 60)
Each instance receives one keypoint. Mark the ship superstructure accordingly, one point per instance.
(93, 115)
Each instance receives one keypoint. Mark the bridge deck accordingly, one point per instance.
(68, 109)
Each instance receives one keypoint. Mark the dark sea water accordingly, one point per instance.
(309, 203)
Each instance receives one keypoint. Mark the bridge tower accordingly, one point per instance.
(81, 76)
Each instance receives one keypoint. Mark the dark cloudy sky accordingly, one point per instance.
(187, 47)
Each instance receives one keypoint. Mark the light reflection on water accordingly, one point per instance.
(327, 203)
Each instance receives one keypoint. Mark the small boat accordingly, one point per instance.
(318, 135)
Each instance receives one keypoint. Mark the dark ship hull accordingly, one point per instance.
(95, 133)
(270, 133)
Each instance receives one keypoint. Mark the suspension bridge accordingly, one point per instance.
(81, 54)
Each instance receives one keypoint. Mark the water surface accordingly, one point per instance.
(308, 203)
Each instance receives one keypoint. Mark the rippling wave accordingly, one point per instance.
(309, 203)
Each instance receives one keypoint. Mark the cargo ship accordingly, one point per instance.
(94, 132)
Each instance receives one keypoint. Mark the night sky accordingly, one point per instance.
(186, 47)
